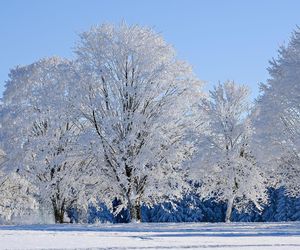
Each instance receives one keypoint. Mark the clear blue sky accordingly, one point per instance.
(221, 39)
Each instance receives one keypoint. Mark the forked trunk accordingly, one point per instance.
(59, 213)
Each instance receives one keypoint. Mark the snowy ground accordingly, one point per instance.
(153, 236)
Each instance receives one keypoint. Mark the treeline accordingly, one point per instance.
(192, 208)
(125, 129)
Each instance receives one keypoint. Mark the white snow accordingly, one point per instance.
(153, 236)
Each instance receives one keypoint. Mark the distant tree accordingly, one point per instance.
(224, 164)
(138, 99)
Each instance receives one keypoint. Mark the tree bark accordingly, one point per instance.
(229, 209)
(58, 213)
(135, 212)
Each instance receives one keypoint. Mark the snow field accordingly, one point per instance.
(153, 236)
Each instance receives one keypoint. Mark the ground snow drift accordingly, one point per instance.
(153, 236)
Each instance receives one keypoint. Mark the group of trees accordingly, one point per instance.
(126, 124)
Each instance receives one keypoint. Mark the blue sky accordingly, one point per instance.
(221, 39)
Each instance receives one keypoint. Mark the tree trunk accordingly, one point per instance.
(135, 212)
(58, 213)
(229, 209)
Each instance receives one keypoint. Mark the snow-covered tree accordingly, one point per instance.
(278, 120)
(16, 193)
(224, 164)
(138, 99)
(41, 133)
(17, 196)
